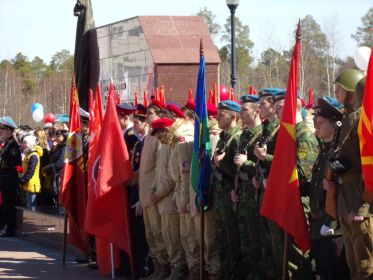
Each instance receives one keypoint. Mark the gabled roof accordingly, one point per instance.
(176, 39)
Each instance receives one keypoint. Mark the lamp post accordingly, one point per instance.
(232, 5)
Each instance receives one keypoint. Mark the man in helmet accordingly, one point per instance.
(355, 214)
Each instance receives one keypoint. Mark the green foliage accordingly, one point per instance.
(63, 61)
(210, 19)
(364, 33)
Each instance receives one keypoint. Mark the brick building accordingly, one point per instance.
(145, 52)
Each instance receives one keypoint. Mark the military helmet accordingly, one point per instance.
(349, 78)
(359, 90)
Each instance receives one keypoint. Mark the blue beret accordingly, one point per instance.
(230, 106)
(253, 98)
(334, 102)
(269, 91)
(8, 121)
(328, 107)
(279, 96)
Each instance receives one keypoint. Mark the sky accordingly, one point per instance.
(42, 28)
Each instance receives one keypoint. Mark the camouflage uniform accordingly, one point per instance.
(272, 238)
(222, 184)
(248, 211)
(327, 250)
(358, 236)
(299, 265)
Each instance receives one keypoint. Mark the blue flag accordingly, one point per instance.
(201, 165)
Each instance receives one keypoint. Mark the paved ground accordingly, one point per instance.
(20, 259)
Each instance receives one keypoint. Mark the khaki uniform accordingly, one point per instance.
(152, 218)
(179, 165)
(358, 236)
(164, 187)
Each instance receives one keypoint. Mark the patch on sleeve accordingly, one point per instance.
(185, 166)
(302, 153)
(181, 139)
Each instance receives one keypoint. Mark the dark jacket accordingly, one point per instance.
(55, 167)
(10, 157)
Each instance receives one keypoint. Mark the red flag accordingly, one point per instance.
(232, 96)
(108, 216)
(310, 100)
(251, 90)
(282, 200)
(365, 129)
(73, 185)
(145, 100)
(190, 95)
(215, 101)
(102, 246)
(162, 97)
(136, 99)
(211, 97)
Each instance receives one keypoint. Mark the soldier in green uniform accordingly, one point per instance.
(271, 236)
(355, 215)
(245, 196)
(327, 244)
(299, 265)
(222, 184)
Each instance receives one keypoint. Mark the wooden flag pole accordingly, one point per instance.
(64, 240)
(202, 245)
(285, 274)
(112, 260)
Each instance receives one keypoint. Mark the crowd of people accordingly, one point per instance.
(239, 243)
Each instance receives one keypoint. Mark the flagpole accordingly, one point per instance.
(112, 260)
(202, 212)
(64, 240)
(285, 274)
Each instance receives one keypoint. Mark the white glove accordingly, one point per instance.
(326, 231)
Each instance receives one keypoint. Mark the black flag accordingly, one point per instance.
(86, 57)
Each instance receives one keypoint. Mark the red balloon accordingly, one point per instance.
(224, 93)
(49, 118)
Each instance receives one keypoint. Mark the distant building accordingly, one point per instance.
(145, 52)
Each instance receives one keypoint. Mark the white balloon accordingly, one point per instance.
(38, 115)
(361, 58)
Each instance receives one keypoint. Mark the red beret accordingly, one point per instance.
(175, 110)
(157, 103)
(212, 110)
(161, 123)
(191, 105)
(302, 102)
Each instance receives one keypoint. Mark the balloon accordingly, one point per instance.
(49, 118)
(224, 93)
(37, 106)
(361, 58)
(37, 115)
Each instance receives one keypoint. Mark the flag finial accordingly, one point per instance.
(201, 49)
(298, 33)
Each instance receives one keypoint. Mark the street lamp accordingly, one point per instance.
(232, 5)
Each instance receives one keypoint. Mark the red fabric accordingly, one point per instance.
(282, 202)
(190, 95)
(73, 185)
(108, 212)
(365, 129)
(103, 251)
(252, 90)
(162, 97)
(311, 102)
(136, 99)
(145, 100)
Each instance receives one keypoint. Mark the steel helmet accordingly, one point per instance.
(359, 90)
(349, 78)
